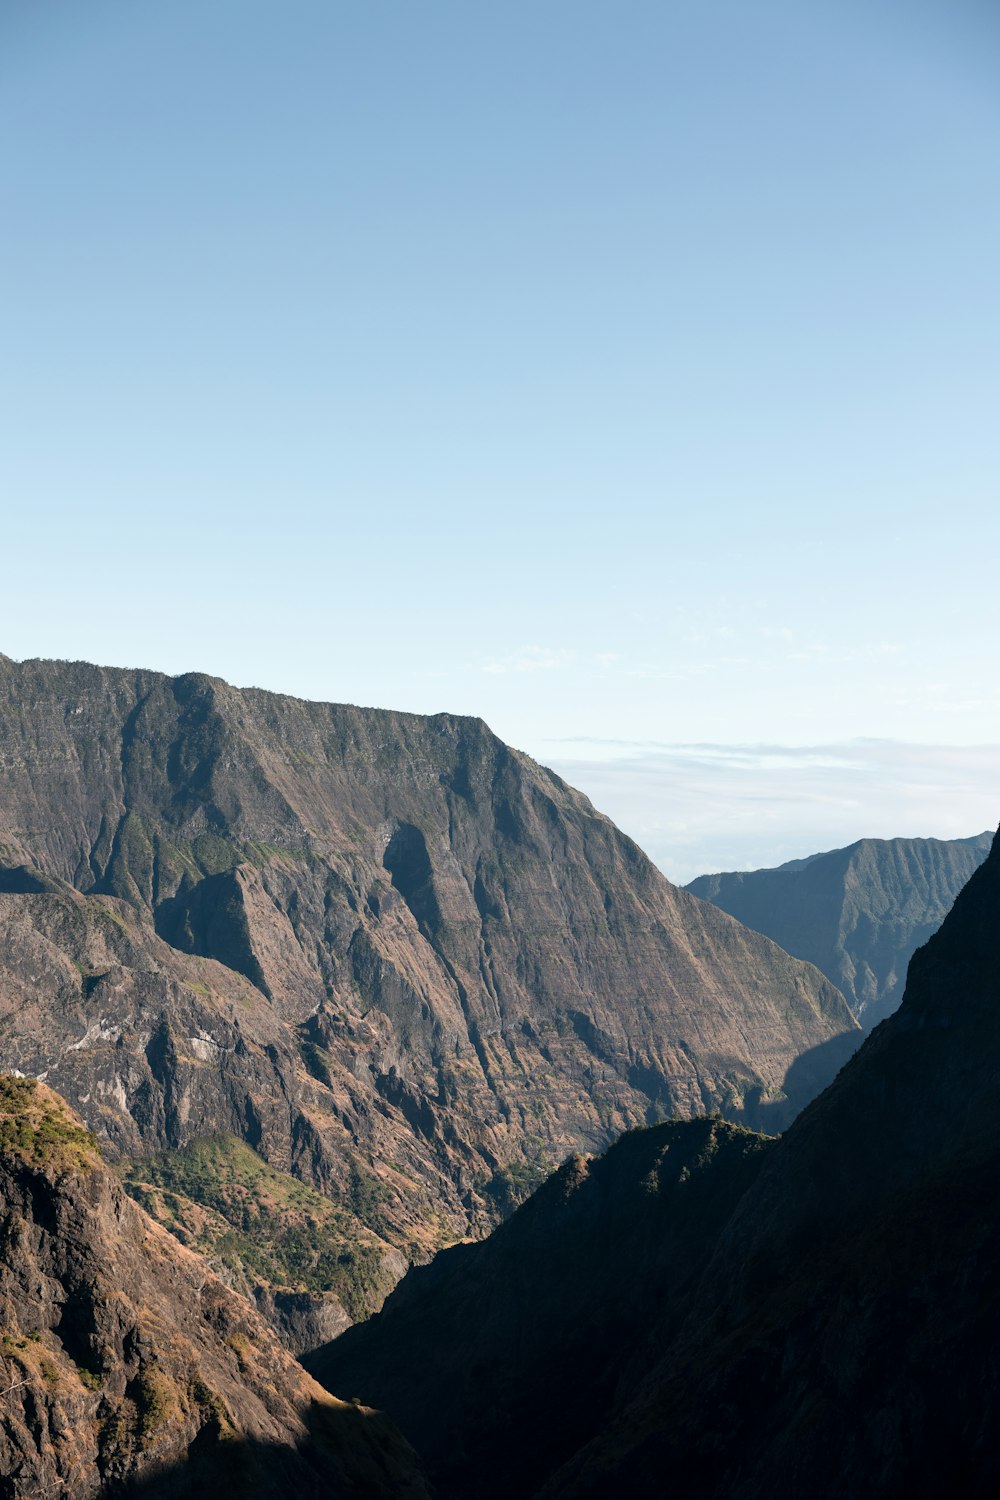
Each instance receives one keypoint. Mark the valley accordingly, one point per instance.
(360, 1037)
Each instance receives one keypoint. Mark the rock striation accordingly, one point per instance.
(819, 1316)
(128, 1368)
(396, 958)
(859, 914)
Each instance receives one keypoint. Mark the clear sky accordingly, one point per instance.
(626, 373)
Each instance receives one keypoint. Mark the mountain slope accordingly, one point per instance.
(392, 955)
(850, 1307)
(125, 1361)
(859, 914)
(830, 1322)
(501, 1358)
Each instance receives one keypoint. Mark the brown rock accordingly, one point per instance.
(395, 956)
(125, 1362)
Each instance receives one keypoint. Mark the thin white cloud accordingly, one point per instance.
(532, 659)
(701, 807)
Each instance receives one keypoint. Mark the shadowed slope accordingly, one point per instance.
(850, 1307)
(498, 1359)
(820, 1320)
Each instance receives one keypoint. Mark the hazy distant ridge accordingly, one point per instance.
(859, 914)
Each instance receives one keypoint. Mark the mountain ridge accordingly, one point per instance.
(394, 956)
(857, 913)
(836, 1324)
(129, 1367)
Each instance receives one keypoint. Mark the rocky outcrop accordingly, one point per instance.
(395, 957)
(127, 1367)
(859, 914)
(824, 1320)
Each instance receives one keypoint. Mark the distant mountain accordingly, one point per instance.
(395, 958)
(859, 914)
(705, 1312)
(127, 1367)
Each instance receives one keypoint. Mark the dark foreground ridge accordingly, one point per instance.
(502, 1358)
(859, 914)
(398, 960)
(814, 1315)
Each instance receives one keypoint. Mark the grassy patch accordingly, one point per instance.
(157, 1402)
(263, 1225)
(37, 1127)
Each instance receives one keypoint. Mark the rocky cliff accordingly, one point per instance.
(396, 958)
(127, 1367)
(818, 1318)
(859, 914)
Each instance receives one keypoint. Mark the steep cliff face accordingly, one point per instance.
(128, 1367)
(828, 1326)
(395, 957)
(859, 914)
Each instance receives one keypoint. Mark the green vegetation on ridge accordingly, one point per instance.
(263, 1226)
(38, 1127)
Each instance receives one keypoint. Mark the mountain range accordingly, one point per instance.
(859, 914)
(382, 957)
(329, 988)
(706, 1311)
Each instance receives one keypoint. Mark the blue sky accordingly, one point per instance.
(626, 374)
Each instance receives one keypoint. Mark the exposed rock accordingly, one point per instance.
(859, 914)
(828, 1327)
(126, 1363)
(394, 956)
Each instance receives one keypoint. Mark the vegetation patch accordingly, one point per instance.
(37, 1127)
(261, 1227)
(514, 1183)
(157, 1402)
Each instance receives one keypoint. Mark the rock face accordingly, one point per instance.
(128, 1367)
(820, 1317)
(396, 958)
(859, 914)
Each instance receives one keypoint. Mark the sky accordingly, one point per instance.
(625, 374)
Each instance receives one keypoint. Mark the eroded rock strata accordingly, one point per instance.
(396, 958)
(811, 1315)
